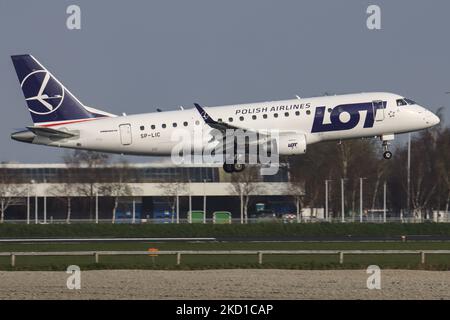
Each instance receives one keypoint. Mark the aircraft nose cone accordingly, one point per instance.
(433, 119)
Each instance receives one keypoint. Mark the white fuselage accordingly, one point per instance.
(152, 133)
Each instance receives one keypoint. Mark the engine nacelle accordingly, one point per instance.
(291, 144)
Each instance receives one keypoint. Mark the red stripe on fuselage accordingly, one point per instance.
(66, 122)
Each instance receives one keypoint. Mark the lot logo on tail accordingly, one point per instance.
(43, 93)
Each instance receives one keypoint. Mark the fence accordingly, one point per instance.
(378, 220)
(259, 254)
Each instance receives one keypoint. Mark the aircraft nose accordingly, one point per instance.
(432, 119)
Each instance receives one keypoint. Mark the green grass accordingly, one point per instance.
(234, 230)
(143, 246)
(434, 262)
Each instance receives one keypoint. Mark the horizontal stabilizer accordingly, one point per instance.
(51, 133)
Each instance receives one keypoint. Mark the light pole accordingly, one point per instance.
(342, 201)
(384, 202)
(408, 182)
(96, 206)
(28, 204)
(361, 199)
(178, 208)
(35, 202)
(326, 199)
(133, 220)
(242, 207)
(190, 203)
(204, 201)
(45, 205)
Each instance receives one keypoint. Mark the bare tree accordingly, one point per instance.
(444, 165)
(10, 192)
(379, 174)
(443, 161)
(172, 191)
(119, 186)
(298, 189)
(64, 192)
(244, 184)
(86, 168)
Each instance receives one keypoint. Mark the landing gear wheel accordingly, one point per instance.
(228, 168)
(238, 167)
(386, 154)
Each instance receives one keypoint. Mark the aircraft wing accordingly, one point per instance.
(50, 133)
(259, 137)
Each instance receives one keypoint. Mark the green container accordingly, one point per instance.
(222, 217)
(196, 216)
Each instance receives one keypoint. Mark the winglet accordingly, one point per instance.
(213, 123)
(203, 114)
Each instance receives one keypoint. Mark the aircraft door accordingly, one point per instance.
(125, 134)
(378, 110)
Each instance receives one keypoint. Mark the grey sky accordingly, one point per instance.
(135, 56)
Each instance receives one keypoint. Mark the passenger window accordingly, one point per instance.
(185, 123)
(174, 124)
(265, 116)
(230, 119)
(241, 118)
(254, 117)
(286, 114)
(153, 127)
(297, 113)
(275, 115)
(401, 102)
(308, 112)
(163, 126)
(142, 128)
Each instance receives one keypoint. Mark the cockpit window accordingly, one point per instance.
(410, 102)
(401, 102)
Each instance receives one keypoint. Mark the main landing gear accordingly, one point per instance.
(233, 167)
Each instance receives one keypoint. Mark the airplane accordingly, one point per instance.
(61, 120)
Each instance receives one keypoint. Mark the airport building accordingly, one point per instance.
(140, 192)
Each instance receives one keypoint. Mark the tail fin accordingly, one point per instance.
(47, 99)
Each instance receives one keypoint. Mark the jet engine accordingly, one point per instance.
(289, 144)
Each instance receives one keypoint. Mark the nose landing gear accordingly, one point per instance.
(386, 153)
